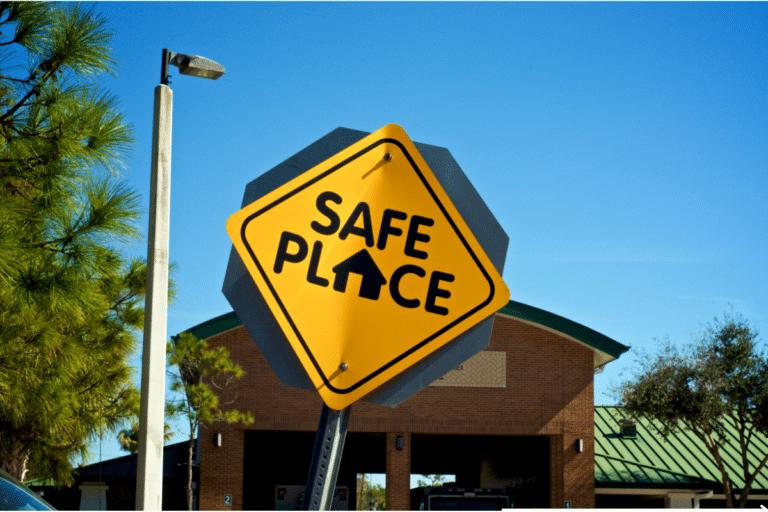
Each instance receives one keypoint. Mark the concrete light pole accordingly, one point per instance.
(149, 484)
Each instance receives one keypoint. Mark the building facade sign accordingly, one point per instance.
(487, 369)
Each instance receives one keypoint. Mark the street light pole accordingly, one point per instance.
(149, 485)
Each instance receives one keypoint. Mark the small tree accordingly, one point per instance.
(431, 481)
(70, 302)
(370, 496)
(202, 376)
(721, 377)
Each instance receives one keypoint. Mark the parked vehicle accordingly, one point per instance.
(458, 498)
(14, 495)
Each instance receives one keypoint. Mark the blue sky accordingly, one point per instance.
(623, 147)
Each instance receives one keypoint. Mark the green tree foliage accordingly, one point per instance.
(431, 481)
(128, 438)
(370, 496)
(721, 377)
(69, 301)
(202, 377)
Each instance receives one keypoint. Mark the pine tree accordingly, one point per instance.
(70, 302)
(202, 376)
(128, 438)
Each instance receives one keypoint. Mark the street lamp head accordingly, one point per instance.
(192, 65)
(197, 66)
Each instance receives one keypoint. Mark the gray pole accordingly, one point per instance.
(326, 459)
(149, 484)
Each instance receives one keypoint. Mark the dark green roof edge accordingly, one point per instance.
(568, 327)
(693, 479)
(216, 325)
(514, 309)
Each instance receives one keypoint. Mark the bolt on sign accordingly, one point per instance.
(366, 265)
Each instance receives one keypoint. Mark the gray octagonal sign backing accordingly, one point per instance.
(250, 307)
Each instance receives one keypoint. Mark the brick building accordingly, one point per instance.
(518, 416)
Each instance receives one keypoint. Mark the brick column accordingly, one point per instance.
(579, 470)
(398, 472)
(556, 479)
(221, 468)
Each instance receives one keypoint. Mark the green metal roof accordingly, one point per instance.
(614, 472)
(605, 348)
(651, 460)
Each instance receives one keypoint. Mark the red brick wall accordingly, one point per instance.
(549, 392)
(221, 468)
(398, 472)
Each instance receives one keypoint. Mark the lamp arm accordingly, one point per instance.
(167, 55)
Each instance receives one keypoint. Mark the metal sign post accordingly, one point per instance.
(426, 234)
(326, 458)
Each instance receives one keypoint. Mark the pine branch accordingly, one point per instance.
(39, 134)
(35, 90)
(10, 78)
(39, 158)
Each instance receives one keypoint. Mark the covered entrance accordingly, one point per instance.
(519, 465)
(276, 459)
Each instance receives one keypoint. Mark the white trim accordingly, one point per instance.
(736, 494)
(663, 492)
(649, 492)
(673, 498)
(93, 496)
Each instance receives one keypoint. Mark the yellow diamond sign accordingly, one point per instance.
(366, 264)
